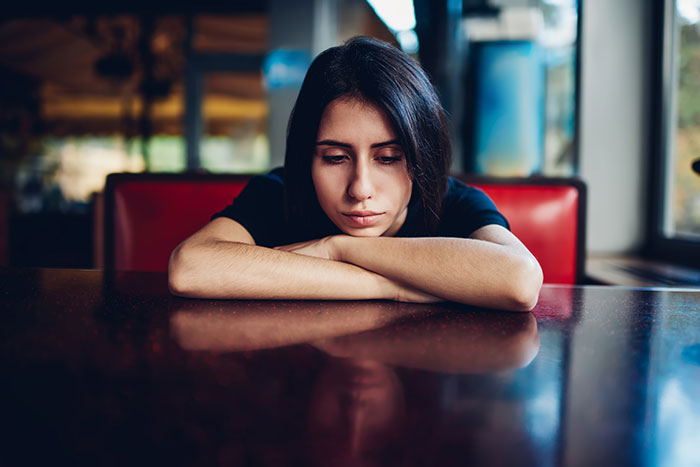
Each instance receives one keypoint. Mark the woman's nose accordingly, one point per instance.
(360, 186)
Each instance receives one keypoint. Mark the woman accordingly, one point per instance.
(363, 208)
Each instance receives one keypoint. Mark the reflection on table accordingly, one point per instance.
(357, 411)
(111, 369)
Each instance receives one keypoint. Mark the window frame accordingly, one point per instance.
(663, 76)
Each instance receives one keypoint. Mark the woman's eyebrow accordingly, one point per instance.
(386, 143)
(330, 142)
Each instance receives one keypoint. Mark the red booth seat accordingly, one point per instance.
(548, 216)
(148, 215)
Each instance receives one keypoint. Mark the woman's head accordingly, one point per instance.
(376, 82)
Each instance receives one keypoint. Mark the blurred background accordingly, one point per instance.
(607, 91)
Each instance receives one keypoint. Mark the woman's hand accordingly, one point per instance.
(329, 248)
(325, 248)
(407, 294)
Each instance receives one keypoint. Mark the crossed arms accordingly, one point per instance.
(492, 268)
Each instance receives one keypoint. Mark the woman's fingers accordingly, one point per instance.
(407, 294)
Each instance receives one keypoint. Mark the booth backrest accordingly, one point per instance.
(548, 216)
(148, 215)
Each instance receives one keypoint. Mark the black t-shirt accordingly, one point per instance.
(260, 209)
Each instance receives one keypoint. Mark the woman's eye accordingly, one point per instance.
(389, 159)
(334, 159)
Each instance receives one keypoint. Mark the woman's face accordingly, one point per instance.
(359, 170)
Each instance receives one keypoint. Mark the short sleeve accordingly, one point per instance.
(467, 209)
(259, 208)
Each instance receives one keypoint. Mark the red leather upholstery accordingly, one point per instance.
(547, 215)
(148, 215)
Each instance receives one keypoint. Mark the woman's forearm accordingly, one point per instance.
(469, 271)
(224, 269)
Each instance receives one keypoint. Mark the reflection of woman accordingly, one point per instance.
(356, 414)
(374, 395)
(411, 336)
(363, 203)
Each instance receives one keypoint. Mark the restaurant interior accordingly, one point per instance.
(89, 91)
(124, 126)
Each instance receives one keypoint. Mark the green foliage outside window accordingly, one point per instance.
(686, 184)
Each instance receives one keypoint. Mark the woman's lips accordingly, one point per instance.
(363, 218)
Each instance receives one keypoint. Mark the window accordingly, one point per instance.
(234, 114)
(674, 228)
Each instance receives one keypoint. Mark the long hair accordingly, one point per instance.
(374, 72)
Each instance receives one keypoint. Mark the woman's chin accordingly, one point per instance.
(366, 232)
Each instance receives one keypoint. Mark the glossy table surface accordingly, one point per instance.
(110, 369)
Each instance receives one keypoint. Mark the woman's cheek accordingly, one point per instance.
(331, 180)
(326, 184)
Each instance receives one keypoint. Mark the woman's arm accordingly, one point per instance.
(491, 269)
(222, 261)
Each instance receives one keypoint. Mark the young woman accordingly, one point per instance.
(363, 208)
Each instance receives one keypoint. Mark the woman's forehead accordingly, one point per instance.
(353, 120)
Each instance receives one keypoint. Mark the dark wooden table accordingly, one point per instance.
(109, 369)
